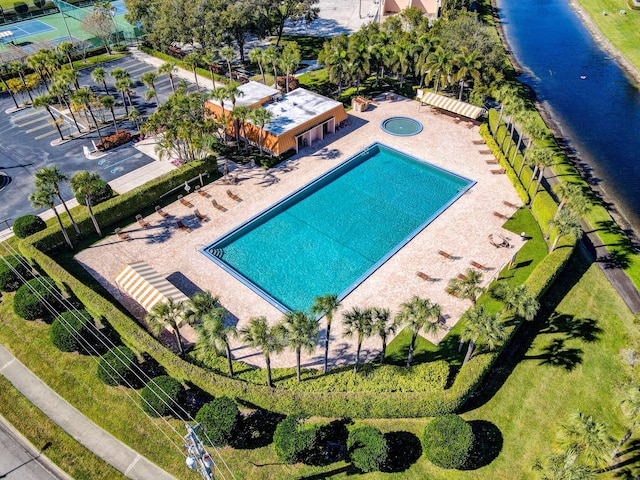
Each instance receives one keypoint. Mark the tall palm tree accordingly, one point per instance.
(168, 68)
(357, 322)
(123, 85)
(191, 61)
(515, 108)
(99, 75)
(418, 314)
(566, 223)
(326, 306)
(45, 101)
(4, 71)
(50, 177)
(167, 314)
(119, 73)
(107, 101)
(149, 79)
(572, 195)
(134, 116)
(359, 59)
(232, 92)
(66, 48)
(335, 57)
(85, 97)
(440, 63)
(86, 184)
(213, 332)
(585, 438)
(62, 91)
(560, 467)
(300, 332)
(256, 55)
(199, 305)
(544, 158)
(271, 55)
(43, 198)
(228, 53)
(240, 115)
(383, 326)
(19, 68)
(258, 334)
(481, 325)
(261, 117)
(469, 65)
(36, 62)
(466, 286)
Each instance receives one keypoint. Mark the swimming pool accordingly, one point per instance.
(331, 234)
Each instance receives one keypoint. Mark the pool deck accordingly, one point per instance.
(462, 230)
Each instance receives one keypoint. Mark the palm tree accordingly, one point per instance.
(335, 57)
(544, 158)
(168, 68)
(381, 327)
(359, 59)
(87, 184)
(62, 91)
(191, 61)
(258, 334)
(480, 324)
(85, 97)
(256, 55)
(123, 85)
(357, 322)
(119, 73)
(167, 314)
(466, 286)
(228, 53)
(560, 467)
(232, 92)
(66, 48)
(149, 79)
(571, 195)
(99, 75)
(439, 67)
(515, 108)
(566, 223)
(630, 407)
(584, 437)
(50, 177)
(300, 332)
(43, 198)
(289, 61)
(213, 332)
(36, 62)
(418, 314)
(199, 305)
(18, 68)
(134, 116)
(518, 300)
(326, 306)
(468, 66)
(261, 117)
(271, 55)
(107, 101)
(45, 101)
(4, 70)
(240, 115)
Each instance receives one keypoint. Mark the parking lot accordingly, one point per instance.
(26, 136)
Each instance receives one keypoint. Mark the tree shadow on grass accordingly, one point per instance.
(585, 329)
(557, 354)
(256, 430)
(347, 470)
(404, 450)
(331, 443)
(487, 444)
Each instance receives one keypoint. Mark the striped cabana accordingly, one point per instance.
(452, 105)
(146, 286)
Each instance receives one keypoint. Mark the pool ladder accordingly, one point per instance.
(217, 252)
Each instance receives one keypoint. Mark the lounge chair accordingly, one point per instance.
(462, 276)
(233, 196)
(143, 223)
(502, 243)
(446, 255)
(479, 266)
(161, 212)
(182, 226)
(423, 276)
(491, 161)
(501, 215)
(201, 192)
(218, 206)
(498, 171)
(199, 216)
(485, 152)
(478, 142)
(509, 204)
(122, 235)
(185, 202)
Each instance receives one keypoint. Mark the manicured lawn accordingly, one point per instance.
(309, 46)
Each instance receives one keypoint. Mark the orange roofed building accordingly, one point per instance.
(299, 117)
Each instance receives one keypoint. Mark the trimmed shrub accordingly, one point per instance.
(292, 440)
(39, 3)
(112, 141)
(447, 441)
(11, 269)
(104, 193)
(161, 396)
(20, 7)
(27, 225)
(115, 366)
(368, 448)
(219, 418)
(32, 298)
(69, 329)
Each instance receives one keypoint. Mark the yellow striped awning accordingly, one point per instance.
(450, 104)
(146, 286)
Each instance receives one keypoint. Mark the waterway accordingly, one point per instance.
(593, 103)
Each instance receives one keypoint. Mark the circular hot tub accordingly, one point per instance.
(401, 126)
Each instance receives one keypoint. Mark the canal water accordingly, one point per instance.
(593, 103)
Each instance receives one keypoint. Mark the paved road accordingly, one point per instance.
(20, 460)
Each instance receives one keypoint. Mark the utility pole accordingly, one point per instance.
(198, 458)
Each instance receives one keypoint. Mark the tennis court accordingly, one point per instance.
(26, 29)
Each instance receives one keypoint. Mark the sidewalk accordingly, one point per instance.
(104, 445)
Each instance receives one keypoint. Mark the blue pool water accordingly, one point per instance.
(331, 234)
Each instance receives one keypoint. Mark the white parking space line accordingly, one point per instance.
(51, 132)
(39, 119)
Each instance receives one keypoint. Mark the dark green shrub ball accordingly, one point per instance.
(69, 331)
(367, 448)
(161, 396)
(219, 418)
(447, 441)
(13, 267)
(292, 440)
(31, 300)
(115, 366)
(27, 225)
